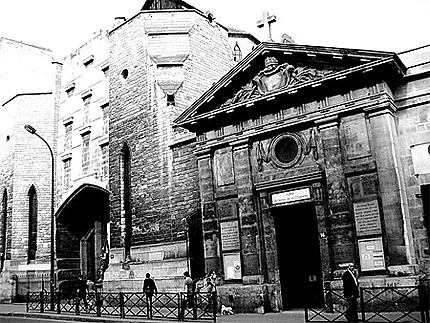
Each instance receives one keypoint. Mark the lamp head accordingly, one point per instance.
(30, 129)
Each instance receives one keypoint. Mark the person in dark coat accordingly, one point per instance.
(149, 288)
(350, 291)
(81, 291)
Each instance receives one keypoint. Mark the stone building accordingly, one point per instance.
(179, 45)
(82, 161)
(29, 84)
(161, 60)
(310, 158)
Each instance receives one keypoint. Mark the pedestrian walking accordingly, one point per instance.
(350, 291)
(149, 288)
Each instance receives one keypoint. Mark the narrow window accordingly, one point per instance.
(67, 173)
(87, 101)
(126, 190)
(85, 153)
(32, 224)
(105, 162)
(68, 136)
(3, 230)
(105, 109)
(237, 53)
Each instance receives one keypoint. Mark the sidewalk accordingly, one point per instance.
(19, 310)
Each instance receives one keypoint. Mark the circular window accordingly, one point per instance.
(286, 150)
(124, 74)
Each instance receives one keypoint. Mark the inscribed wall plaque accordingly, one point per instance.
(421, 158)
(355, 136)
(371, 254)
(223, 166)
(367, 218)
(230, 235)
(291, 196)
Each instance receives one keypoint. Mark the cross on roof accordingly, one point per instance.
(266, 22)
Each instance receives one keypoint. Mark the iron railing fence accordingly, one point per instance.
(163, 305)
(398, 304)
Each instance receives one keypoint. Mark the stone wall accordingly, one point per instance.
(164, 187)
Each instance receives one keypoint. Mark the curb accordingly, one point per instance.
(77, 318)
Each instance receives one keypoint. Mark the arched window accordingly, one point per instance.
(237, 53)
(3, 231)
(32, 223)
(126, 195)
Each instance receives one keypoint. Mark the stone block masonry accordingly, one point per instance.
(160, 61)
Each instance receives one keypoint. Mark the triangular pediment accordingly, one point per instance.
(274, 69)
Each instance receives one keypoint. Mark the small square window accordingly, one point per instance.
(88, 61)
(105, 70)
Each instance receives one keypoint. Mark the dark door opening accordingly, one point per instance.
(299, 255)
(195, 246)
(425, 195)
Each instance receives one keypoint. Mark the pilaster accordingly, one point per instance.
(340, 219)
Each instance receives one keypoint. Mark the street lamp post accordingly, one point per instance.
(31, 130)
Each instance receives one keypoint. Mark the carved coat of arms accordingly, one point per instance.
(273, 77)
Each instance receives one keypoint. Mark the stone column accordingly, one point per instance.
(209, 220)
(247, 213)
(341, 221)
(398, 237)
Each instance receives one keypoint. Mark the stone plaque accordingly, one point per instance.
(223, 164)
(291, 196)
(230, 235)
(367, 218)
(421, 158)
(371, 254)
(356, 138)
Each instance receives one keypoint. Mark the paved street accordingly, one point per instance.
(14, 313)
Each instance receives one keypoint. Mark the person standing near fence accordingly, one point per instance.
(81, 292)
(350, 291)
(149, 288)
(189, 300)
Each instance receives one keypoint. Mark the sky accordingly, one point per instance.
(387, 25)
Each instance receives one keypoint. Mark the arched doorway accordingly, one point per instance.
(81, 235)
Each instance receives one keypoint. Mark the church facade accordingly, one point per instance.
(310, 158)
(297, 161)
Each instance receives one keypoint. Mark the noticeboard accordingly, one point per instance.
(232, 266)
(371, 253)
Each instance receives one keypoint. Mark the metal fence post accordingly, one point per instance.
(58, 303)
(28, 300)
(77, 302)
(98, 304)
(42, 306)
(121, 305)
(214, 305)
(363, 313)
